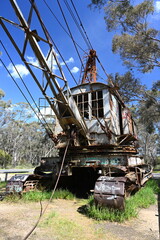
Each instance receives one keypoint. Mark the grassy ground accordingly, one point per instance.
(36, 196)
(142, 199)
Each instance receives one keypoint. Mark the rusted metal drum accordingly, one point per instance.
(110, 191)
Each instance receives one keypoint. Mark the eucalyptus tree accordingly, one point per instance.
(129, 87)
(137, 42)
(5, 158)
(21, 136)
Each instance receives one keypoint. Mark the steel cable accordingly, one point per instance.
(26, 89)
(42, 212)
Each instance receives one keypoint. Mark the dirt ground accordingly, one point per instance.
(16, 219)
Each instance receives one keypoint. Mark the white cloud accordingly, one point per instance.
(157, 6)
(70, 60)
(22, 70)
(33, 61)
(52, 63)
(75, 70)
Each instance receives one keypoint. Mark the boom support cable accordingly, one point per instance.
(84, 35)
(89, 42)
(61, 24)
(76, 23)
(70, 32)
(42, 212)
(44, 125)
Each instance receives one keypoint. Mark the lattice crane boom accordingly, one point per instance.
(69, 113)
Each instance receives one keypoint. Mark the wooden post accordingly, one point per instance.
(6, 175)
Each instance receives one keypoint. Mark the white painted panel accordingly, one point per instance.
(107, 112)
(94, 126)
(115, 115)
(127, 121)
(132, 161)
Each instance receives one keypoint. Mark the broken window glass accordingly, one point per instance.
(82, 103)
(97, 104)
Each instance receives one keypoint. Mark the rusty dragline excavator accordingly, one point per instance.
(92, 122)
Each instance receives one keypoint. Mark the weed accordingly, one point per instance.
(2, 185)
(63, 194)
(49, 219)
(36, 196)
(154, 184)
(12, 198)
(61, 226)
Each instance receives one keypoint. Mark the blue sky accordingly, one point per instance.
(94, 24)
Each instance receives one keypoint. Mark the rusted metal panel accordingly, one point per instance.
(90, 72)
(14, 187)
(23, 182)
(98, 160)
(109, 201)
(30, 185)
(110, 191)
(99, 138)
(15, 184)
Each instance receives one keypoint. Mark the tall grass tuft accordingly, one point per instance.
(36, 196)
(63, 194)
(154, 184)
(2, 185)
(142, 199)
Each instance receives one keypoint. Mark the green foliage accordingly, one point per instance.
(113, 215)
(138, 50)
(142, 199)
(2, 185)
(63, 194)
(2, 94)
(24, 140)
(149, 110)
(138, 43)
(97, 3)
(5, 158)
(130, 87)
(154, 185)
(49, 219)
(63, 227)
(36, 196)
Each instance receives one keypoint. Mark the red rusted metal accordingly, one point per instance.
(90, 73)
(110, 192)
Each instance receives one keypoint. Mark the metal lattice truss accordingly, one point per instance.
(51, 83)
